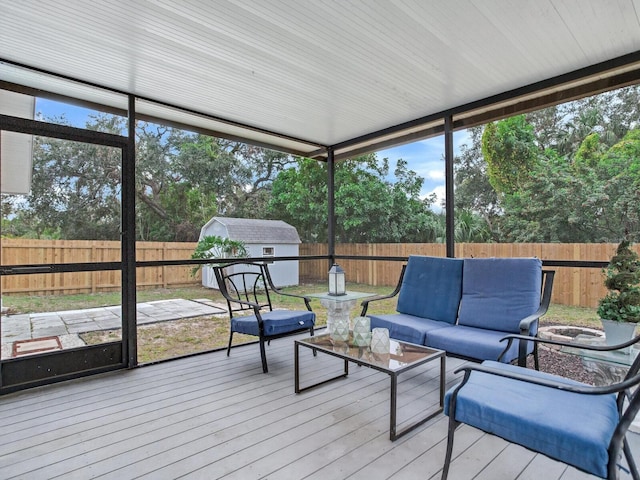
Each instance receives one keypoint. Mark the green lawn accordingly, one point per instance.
(181, 337)
(558, 314)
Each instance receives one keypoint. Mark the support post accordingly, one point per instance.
(331, 210)
(128, 242)
(449, 180)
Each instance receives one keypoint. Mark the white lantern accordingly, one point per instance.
(337, 282)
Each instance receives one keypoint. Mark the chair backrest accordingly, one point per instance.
(631, 394)
(431, 288)
(629, 408)
(244, 282)
(499, 292)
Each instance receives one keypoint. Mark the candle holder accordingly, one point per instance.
(380, 340)
(361, 331)
(340, 331)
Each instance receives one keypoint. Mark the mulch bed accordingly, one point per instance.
(563, 364)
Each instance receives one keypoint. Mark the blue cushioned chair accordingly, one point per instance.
(578, 424)
(500, 296)
(429, 294)
(247, 287)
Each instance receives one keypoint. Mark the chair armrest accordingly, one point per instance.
(306, 299)
(525, 332)
(365, 303)
(275, 289)
(243, 302)
(584, 346)
(548, 382)
(525, 323)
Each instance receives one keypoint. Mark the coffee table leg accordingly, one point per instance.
(394, 406)
(393, 433)
(296, 367)
(443, 373)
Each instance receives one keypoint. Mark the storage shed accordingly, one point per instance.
(262, 238)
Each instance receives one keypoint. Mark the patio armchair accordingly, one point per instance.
(578, 424)
(247, 287)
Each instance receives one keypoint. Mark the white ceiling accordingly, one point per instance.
(317, 71)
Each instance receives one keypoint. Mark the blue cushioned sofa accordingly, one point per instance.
(466, 306)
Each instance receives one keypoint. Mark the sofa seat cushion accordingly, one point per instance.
(499, 292)
(431, 288)
(407, 328)
(275, 323)
(570, 427)
(471, 342)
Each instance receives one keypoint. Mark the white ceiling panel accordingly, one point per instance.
(316, 73)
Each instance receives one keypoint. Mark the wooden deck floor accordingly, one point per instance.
(210, 416)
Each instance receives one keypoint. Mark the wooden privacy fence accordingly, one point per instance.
(573, 286)
(18, 251)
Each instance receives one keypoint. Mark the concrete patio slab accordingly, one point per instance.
(68, 324)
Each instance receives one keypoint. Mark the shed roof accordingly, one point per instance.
(257, 231)
(306, 77)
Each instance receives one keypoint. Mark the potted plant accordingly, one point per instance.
(619, 310)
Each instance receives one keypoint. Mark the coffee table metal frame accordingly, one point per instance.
(394, 373)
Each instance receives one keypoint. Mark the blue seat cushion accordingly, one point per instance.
(275, 323)
(431, 288)
(407, 328)
(499, 292)
(471, 342)
(570, 427)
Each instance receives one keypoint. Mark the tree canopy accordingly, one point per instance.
(183, 179)
(569, 173)
(368, 207)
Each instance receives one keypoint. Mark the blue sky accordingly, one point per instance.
(425, 157)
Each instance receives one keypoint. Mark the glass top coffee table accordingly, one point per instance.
(402, 356)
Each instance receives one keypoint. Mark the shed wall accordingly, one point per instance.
(282, 273)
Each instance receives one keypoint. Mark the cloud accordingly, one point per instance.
(426, 158)
(440, 195)
(435, 175)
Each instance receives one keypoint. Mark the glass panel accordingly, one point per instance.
(67, 211)
(73, 194)
(186, 180)
(60, 113)
(177, 315)
(46, 312)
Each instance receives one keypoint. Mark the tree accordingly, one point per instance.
(182, 180)
(510, 150)
(582, 185)
(75, 191)
(470, 227)
(473, 192)
(619, 172)
(368, 207)
(554, 205)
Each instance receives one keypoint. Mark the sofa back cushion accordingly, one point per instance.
(431, 288)
(499, 292)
